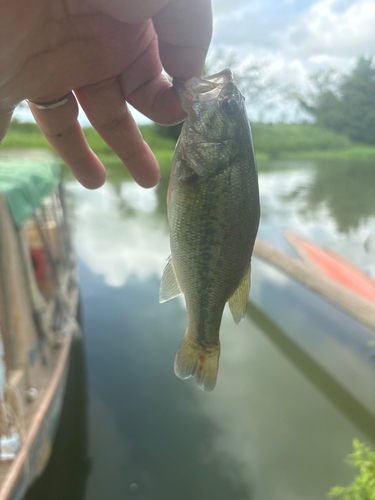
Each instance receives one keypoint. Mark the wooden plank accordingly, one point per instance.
(358, 307)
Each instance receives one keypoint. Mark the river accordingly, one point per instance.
(296, 379)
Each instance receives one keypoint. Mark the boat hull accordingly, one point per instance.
(35, 453)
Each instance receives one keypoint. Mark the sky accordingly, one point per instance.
(294, 38)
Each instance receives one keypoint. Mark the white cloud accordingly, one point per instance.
(309, 28)
(333, 28)
(296, 38)
(300, 36)
(115, 236)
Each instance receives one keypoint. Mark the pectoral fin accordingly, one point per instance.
(237, 302)
(169, 286)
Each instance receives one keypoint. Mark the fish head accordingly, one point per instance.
(216, 121)
(214, 104)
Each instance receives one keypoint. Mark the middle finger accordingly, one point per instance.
(105, 107)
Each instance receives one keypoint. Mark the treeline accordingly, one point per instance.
(345, 104)
(343, 107)
(271, 141)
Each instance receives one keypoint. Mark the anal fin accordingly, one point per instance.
(238, 301)
(169, 286)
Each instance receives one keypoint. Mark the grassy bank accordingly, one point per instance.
(272, 141)
(28, 135)
(306, 141)
(354, 153)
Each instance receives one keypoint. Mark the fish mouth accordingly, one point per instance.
(221, 78)
(207, 87)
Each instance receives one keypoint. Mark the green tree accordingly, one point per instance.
(346, 105)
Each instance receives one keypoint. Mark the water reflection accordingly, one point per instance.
(350, 405)
(347, 190)
(117, 239)
(166, 440)
(267, 431)
(331, 204)
(338, 342)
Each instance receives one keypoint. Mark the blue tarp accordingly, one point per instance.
(26, 177)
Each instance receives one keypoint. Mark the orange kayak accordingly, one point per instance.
(333, 266)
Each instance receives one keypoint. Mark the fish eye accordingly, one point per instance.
(230, 106)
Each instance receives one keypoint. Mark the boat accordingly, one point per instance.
(333, 266)
(326, 273)
(39, 297)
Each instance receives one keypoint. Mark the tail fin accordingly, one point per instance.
(192, 360)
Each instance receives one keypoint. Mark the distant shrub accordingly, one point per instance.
(172, 132)
(24, 127)
(157, 140)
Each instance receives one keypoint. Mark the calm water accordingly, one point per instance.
(296, 379)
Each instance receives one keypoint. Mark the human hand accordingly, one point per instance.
(108, 52)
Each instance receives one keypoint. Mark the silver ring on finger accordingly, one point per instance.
(51, 105)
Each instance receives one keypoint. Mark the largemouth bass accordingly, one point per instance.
(213, 210)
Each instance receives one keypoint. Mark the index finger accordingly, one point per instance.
(184, 29)
(5, 118)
